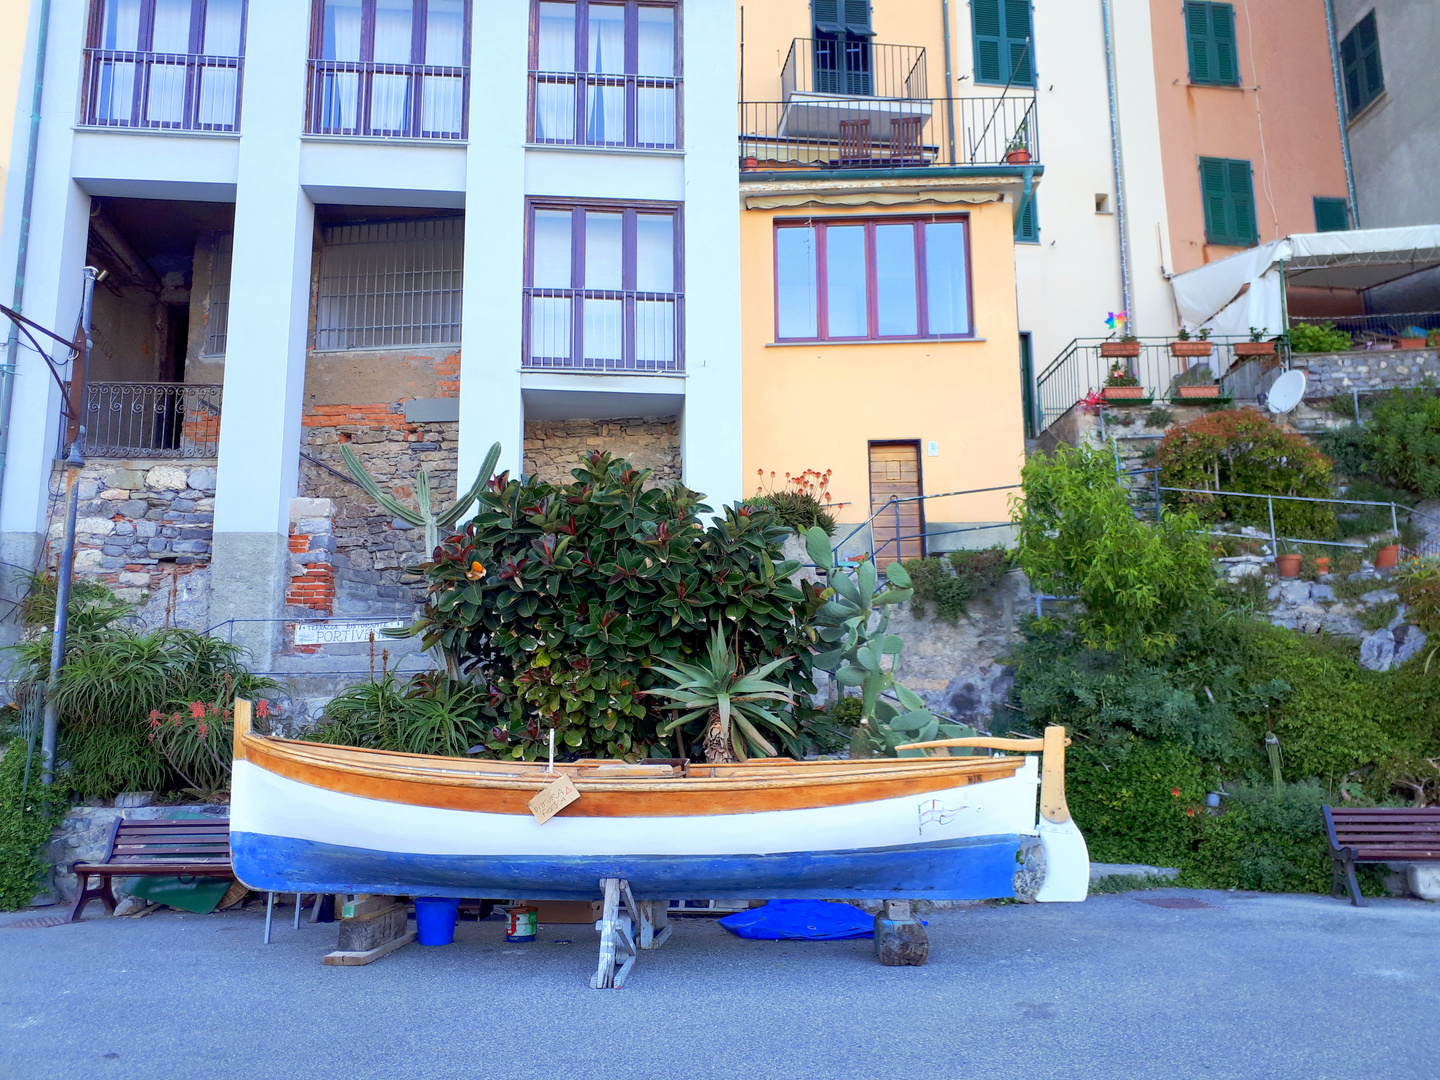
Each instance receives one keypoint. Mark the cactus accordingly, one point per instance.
(856, 652)
(425, 516)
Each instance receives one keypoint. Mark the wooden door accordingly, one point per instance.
(898, 529)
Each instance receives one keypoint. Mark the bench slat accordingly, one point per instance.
(1351, 839)
(213, 868)
(1398, 854)
(132, 835)
(157, 854)
(1387, 813)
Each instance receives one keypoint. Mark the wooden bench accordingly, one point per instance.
(154, 848)
(1379, 835)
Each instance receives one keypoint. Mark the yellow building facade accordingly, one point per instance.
(14, 16)
(878, 283)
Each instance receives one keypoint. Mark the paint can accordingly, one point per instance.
(520, 923)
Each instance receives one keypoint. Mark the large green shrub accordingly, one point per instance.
(1401, 440)
(560, 599)
(1321, 338)
(1136, 803)
(1240, 450)
(1078, 537)
(28, 812)
(1266, 839)
(951, 582)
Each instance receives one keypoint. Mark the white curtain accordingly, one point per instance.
(340, 90)
(390, 93)
(165, 83)
(115, 81)
(442, 97)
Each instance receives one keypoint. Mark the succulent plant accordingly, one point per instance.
(426, 515)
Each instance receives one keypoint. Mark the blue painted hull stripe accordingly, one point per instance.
(979, 868)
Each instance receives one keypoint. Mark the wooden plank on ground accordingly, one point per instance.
(358, 959)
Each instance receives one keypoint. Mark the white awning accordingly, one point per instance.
(1245, 290)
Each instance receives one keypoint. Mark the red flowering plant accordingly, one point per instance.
(799, 501)
(197, 740)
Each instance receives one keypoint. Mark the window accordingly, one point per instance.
(842, 46)
(1331, 215)
(1027, 222)
(388, 283)
(389, 67)
(1228, 191)
(1360, 65)
(605, 74)
(604, 288)
(1210, 43)
(164, 64)
(1003, 49)
(857, 280)
(217, 315)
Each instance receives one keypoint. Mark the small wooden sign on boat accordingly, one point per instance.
(553, 798)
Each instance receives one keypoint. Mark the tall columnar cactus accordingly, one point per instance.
(425, 516)
(854, 651)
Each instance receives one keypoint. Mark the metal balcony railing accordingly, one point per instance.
(575, 109)
(174, 91)
(853, 67)
(150, 420)
(816, 132)
(416, 101)
(604, 330)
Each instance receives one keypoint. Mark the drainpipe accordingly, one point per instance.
(12, 347)
(1121, 221)
(1340, 113)
(949, 82)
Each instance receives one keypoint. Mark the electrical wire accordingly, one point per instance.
(1260, 126)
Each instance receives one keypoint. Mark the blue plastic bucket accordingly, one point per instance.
(435, 919)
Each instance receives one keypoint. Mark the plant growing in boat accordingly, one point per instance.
(426, 514)
(733, 705)
(856, 651)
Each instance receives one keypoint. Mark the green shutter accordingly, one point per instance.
(1228, 192)
(1222, 32)
(1331, 215)
(1242, 201)
(989, 40)
(1360, 64)
(1197, 41)
(1212, 192)
(1021, 71)
(1027, 228)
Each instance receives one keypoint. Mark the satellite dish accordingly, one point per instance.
(1286, 392)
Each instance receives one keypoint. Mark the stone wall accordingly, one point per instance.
(141, 526)
(554, 447)
(1329, 375)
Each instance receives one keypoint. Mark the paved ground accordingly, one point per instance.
(1272, 987)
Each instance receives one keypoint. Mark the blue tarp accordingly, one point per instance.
(801, 920)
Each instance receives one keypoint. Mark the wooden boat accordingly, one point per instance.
(308, 817)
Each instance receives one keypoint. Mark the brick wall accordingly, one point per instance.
(312, 551)
(554, 447)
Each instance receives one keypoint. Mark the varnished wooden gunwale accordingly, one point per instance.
(461, 784)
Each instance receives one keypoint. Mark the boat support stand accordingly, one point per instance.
(617, 941)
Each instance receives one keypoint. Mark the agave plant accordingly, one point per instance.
(735, 703)
(433, 520)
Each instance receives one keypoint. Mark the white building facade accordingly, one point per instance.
(415, 226)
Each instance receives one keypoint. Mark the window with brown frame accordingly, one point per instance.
(605, 74)
(397, 68)
(172, 64)
(872, 279)
(603, 287)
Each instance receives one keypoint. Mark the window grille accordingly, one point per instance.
(217, 321)
(390, 283)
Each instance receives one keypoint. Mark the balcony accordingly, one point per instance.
(826, 81)
(166, 91)
(812, 131)
(623, 332)
(576, 109)
(365, 98)
(150, 420)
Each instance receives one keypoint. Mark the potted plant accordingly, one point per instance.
(1122, 385)
(1322, 564)
(1126, 346)
(1256, 346)
(1187, 347)
(1432, 339)
(1287, 563)
(1198, 390)
(1017, 150)
(1387, 554)
(1413, 338)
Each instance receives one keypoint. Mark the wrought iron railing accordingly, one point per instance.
(176, 91)
(595, 330)
(1083, 367)
(855, 67)
(812, 132)
(575, 109)
(352, 97)
(151, 420)
(1377, 328)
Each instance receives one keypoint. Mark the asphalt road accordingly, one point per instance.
(1269, 987)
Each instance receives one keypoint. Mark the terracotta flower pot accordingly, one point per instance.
(1191, 348)
(1288, 565)
(1120, 348)
(1387, 557)
(1017, 157)
(1253, 348)
(1122, 393)
(1412, 343)
(1211, 391)
(1322, 563)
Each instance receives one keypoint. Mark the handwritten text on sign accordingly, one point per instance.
(341, 633)
(553, 798)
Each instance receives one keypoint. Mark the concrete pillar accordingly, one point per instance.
(711, 430)
(58, 232)
(269, 320)
(490, 403)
